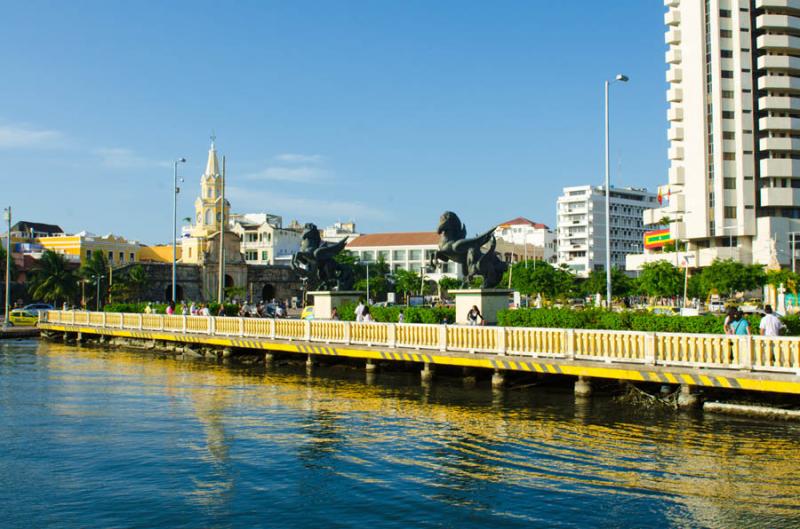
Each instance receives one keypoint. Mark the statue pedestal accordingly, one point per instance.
(488, 300)
(327, 300)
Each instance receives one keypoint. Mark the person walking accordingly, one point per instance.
(474, 315)
(366, 317)
(740, 326)
(730, 317)
(184, 309)
(335, 314)
(770, 324)
(359, 312)
(171, 308)
(401, 318)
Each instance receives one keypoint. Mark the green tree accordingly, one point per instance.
(406, 282)
(790, 280)
(380, 281)
(726, 276)
(449, 283)
(622, 285)
(128, 287)
(94, 269)
(52, 280)
(660, 279)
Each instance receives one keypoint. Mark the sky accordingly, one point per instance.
(383, 113)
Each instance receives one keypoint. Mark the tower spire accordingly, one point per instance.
(212, 167)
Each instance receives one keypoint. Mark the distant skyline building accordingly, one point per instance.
(403, 251)
(581, 227)
(264, 239)
(734, 129)
(521, 232)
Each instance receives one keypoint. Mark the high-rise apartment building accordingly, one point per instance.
(582, 226)
(733, 69)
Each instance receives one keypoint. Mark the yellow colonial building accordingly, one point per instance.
(80, 246)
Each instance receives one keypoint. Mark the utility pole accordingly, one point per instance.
(7, 213)
(221, 279)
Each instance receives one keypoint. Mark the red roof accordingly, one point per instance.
(411, 238)
(525, 222)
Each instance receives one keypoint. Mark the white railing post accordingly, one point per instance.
(746, 353)
(650, 348)
(141, 322)
(121, 320)
(443, 337)
(569, 343)
(307, 330)
(501, 340)
(391, 335)
(183, 324)
(103, 314)
(347, 332)
(212, 328)
(272, 328)
(241, 326)
(160, 322)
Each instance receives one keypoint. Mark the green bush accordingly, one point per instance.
(596, 318)
(161, 308)
(411, 314)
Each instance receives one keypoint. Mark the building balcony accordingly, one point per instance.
(675, 133)
(779, 144)
(777, 4)
(674, 75)
(779, 103)
(673, 56)
(674, 95)
(780, 196)
(779, 82)
(779, 124)
(778, 62)
(677, 175)
(675, 113)
(652, 217)
(778, 42)
(672, 17)
(673, 36)
(779, 167)
(675, 152)
(777, 22)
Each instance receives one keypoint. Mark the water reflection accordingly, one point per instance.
(395, 452)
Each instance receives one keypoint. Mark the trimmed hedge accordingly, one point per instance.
(161, 308)
(595, 318)
(411, 314)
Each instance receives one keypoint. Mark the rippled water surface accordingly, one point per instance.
(100, 439)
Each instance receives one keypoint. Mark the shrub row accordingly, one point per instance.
(410, 314)
(161, 308)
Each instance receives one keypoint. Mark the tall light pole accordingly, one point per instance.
(97, 280)
(7, 218)
(175, 227)
(624, 79)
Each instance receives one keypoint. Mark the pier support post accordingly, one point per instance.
(227, 352)
(426, 374)
(498, 379)
(688, 398)
(309, 363)
(79, 337)
(269, 359)
(371, 367)
(469, 377)
(583, 387)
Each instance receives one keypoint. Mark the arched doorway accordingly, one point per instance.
(168, 293)
(228, 281)
(268, 292)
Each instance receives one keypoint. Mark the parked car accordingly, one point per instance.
(716, 306)
(308, 313)
(36, 307)
(23, 318)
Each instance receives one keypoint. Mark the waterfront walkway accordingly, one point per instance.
(752, 363)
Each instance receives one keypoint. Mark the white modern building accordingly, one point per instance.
(733, 70)
(404, 251)
(533, 240)
(339, 231)
(582, 226)
(264, 240)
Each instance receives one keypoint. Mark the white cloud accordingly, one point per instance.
(289, 174)
(299, 158)
(23, 136)
(121, 158)
(302, 208)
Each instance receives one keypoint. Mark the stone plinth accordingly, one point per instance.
(488, 300)
(327, 300)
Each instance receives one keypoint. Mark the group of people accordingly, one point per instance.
(246, 310)
(362, 312)
(737, 324)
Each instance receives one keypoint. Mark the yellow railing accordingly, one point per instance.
(292, 329)
(369, 333)
(698, 350)
(328, 331)
(534, 341)
(466, 338)
(775, 354)
(227, 326)
(610, 346)
(419, 336)
(756, 353)
(257, 327)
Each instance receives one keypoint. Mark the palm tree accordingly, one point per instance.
(136, 281)
(52, 281)
(95, 269)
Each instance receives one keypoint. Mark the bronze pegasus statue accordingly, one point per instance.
(454, 246)
(315, 263)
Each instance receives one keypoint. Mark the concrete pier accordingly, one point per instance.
(426, 375)
(269, 359)
(583, 387)
(688, 398)
(498, 379)
(371, 367)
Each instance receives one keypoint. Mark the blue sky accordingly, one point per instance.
(386, 113)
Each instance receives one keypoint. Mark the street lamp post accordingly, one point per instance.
(7, 218)
(97, 279)
(175, 226)
(624, 79)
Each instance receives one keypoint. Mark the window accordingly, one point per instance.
(415, 255)
(729, 156)
(727, 54)
(729, 183)
(88, 254)
(383, 254)
(264, 255)
(368, 256)
(725, 33)
(729, 212)
(121, 257)
(132, 257)
(727, 94)
(728, 135)
(110, 257)
(727, 74)
(727, 114)
(725, 13)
